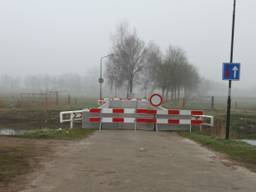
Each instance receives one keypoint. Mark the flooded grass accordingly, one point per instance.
(66, 134)
(11, 132)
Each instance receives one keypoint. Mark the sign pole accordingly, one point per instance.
(230, 81)
(100, 80)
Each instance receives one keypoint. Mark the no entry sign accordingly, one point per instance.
(155, 100)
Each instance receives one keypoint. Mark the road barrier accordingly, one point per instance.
(172, 117)
(133, 113)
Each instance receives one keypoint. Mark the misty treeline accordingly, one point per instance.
(146, 66)
(135, 67)
(69, 83)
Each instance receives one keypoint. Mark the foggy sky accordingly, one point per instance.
(61, 36)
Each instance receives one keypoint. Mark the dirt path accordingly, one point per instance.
(125, 161)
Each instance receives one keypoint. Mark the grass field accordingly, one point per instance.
(33, 115)
(220, 103)
(15, 102)
(243, 115)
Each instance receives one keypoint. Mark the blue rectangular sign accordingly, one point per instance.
(231, 71)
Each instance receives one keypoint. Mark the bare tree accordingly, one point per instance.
(129, 56)
(114, 76)
(192, 80)
(155, 67)
(171, 73)
(176, 62)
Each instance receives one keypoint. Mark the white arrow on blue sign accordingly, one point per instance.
(231, 71)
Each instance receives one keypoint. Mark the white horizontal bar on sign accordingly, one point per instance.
(129, 120)
(77, 111)
(107, 110)
(162, 121)
(185, 121)
(185, 112)
(129, 111)
(162, 112)
(117, 120)
(106, 120)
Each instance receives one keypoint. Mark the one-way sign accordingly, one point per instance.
(231, 71)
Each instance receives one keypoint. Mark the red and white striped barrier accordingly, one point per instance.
(113, 110)
(144, 120)
(174, 117)
(146, 111)
(111, 120)
(157, 117)
(193, 122)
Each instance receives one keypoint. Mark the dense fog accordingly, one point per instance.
(57, 45)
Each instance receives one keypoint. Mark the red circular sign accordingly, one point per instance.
(156, 100)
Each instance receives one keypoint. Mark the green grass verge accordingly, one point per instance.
(236, 150)
(66, 134)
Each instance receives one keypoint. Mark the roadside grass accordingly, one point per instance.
(236, 150)
(65, 134)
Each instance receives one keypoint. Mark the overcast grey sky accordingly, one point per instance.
(59, 36)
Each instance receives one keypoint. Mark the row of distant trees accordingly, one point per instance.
(64, 83)
(136, 64)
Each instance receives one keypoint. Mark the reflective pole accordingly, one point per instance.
(230, 82)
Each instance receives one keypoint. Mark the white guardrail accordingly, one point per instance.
(208, 117)
(71, 116)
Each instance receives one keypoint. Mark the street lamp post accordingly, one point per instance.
(230, 81)
(101, 80)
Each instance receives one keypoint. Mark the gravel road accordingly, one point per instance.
(129, 161)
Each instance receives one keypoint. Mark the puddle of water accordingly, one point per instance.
(11, 132)
(251, 142)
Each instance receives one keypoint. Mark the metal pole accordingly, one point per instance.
(101, 78)
(230, 82)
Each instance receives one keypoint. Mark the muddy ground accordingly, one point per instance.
(20, 157)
